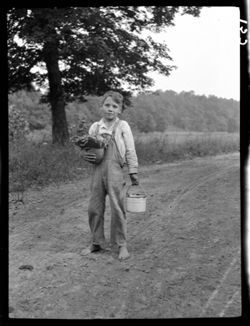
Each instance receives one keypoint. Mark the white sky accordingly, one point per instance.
(206, 51)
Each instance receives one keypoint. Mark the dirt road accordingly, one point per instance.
(185, 250)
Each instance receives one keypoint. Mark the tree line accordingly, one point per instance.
(153, 111)
(160, 111)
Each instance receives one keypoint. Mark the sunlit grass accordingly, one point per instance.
(166, 147)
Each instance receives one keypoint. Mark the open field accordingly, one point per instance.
(182, 136)
(171, 146)
(185, 250)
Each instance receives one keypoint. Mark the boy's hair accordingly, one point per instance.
(116, 97)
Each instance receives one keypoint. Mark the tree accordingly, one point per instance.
(86, 50)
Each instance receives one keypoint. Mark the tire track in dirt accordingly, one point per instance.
(166, 220)
(194, 185)
(229, 303)
(143, 266)
(96, 278)
(186, 191)
(221, 298)
(213, 303)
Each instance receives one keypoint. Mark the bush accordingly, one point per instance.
(37, 114)
(18, 125)
(41, 164)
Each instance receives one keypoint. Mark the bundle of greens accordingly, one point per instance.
(87, 141)
(83, 140)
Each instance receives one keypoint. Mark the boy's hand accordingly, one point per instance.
(134, 179)
(88, 156)
(79, 141)
(82, 142)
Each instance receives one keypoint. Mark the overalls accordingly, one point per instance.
(107, 179)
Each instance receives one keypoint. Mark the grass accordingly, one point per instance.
(33, 164)
(168, 147)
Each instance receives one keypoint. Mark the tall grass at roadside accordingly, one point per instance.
(41, 164)
(34, 164)
(168, 147)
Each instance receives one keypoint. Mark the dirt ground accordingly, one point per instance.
(185, 250)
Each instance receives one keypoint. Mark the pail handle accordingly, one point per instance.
(139, 186)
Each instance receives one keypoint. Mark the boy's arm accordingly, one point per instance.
(92, 129)
(90, 157)
(134, 179)
(130, 153)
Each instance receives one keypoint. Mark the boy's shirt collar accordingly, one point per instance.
(102, 124)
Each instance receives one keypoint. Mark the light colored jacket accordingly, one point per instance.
(124, 140)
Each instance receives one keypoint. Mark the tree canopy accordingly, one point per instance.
(86, 50)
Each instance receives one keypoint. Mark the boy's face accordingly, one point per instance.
(110, 109)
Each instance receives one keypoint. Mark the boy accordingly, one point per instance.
(107, 176)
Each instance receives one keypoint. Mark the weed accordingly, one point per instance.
(41, 164)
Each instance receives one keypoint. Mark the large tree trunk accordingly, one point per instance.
(60, 134)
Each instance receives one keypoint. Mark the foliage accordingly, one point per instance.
(156, 111)
(37, 114)
(98, 46)
(18, 125)
(86, 50)
(41, 164)
(183, 111)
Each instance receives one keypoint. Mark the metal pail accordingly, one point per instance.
(136, 199)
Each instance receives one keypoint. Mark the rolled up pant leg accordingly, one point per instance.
(96, 208)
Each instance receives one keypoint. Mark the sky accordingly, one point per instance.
(206, 51)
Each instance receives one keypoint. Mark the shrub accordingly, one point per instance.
(18, 125)
(33, 164)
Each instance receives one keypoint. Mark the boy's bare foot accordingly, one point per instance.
(123, 253)
(92, 248)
